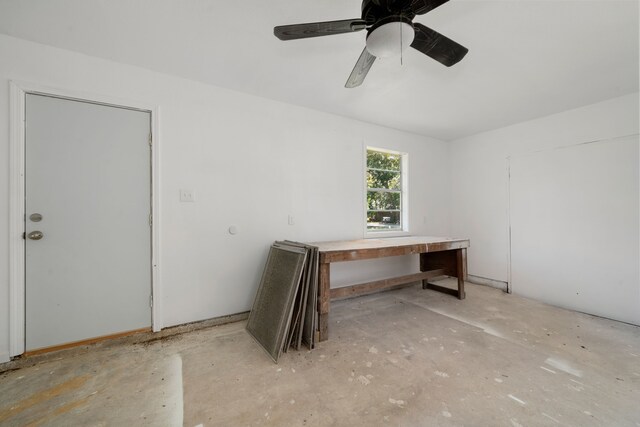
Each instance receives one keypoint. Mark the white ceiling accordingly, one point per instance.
(527, 58)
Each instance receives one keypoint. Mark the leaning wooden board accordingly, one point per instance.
(438, 256)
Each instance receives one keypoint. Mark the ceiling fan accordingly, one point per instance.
(390, 29)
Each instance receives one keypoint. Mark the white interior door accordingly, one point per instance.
(88, 176)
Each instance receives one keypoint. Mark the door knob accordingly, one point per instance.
(35, 235)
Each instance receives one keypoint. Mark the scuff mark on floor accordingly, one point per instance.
(363, 380)
(43, 395)
(548, 370)
(563, 366)
(511, 396)
(400, 403)
(61, 410)
(551, 418)
(485, 328)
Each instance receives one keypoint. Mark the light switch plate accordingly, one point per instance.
(187, 196)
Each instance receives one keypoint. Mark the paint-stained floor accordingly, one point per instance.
(402, 358)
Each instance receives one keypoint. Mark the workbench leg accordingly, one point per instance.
(423, 268)
(452, 262)
(324, 297)
(461, 268)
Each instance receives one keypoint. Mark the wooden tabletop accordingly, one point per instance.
(351, 250)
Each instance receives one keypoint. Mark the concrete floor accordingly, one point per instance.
(402, 358)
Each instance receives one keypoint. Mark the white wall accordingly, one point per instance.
(574, 227)
(251, 162)
(480, 192)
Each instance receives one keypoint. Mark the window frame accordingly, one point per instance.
(404, 195)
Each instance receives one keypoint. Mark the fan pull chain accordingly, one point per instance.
(400, 42)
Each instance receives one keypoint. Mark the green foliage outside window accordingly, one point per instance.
(384, 190)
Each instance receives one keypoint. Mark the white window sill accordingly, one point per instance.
(383, 234)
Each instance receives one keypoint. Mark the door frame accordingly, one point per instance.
(18, 91)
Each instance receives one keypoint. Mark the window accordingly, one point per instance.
(386, 191)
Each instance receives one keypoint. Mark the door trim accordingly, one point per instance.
(18, 91)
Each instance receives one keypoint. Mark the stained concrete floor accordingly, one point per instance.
(401, 358)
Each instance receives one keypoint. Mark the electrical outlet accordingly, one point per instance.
(291, 220)
(187, 196)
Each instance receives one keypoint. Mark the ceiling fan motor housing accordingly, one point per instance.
(375, 10)
(390, 36)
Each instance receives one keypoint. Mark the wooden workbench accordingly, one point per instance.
(438, 256)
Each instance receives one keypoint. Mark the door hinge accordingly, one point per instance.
(150, 220)
(150, 139)
(150, 300)
(24, 236)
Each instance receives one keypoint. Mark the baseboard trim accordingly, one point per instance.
(133, 337)
(200, 324)
(85, 342)
(498, 284)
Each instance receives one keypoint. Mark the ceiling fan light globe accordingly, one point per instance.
(390, 39)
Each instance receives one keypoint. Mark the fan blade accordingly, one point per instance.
(437, 46)
(317, 29)
(361, 69)
(420, 7)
